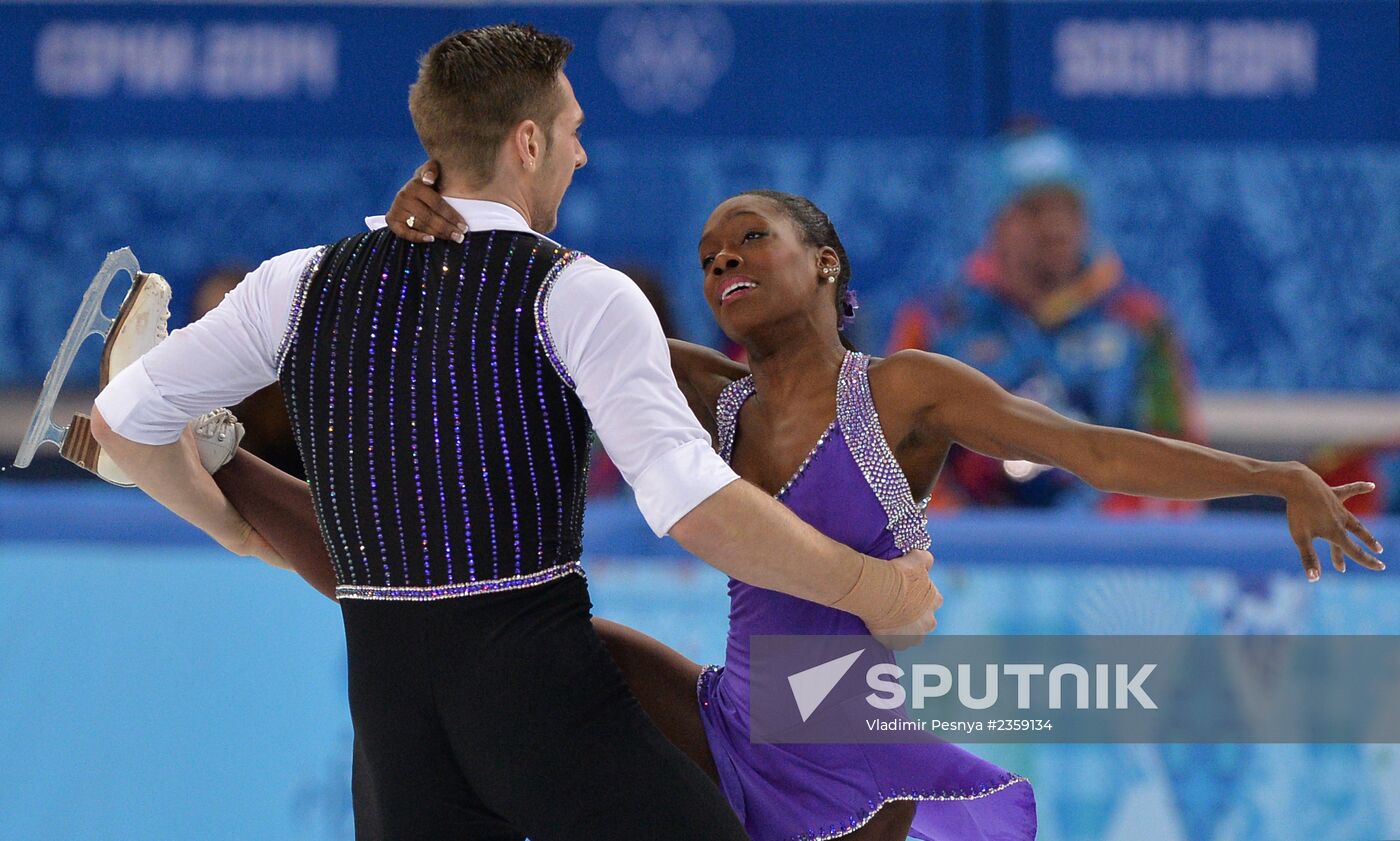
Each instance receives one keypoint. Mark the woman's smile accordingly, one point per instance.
(736, 287)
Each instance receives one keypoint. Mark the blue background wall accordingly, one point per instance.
(1244, 156)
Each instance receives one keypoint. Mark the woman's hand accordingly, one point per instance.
(420, 214)
(1315, 510)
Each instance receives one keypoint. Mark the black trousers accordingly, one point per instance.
(501, 716)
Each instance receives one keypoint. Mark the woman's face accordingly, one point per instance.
(759, 271)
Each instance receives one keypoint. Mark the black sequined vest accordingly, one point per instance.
(445, 448)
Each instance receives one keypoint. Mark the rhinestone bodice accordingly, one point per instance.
(850, 488)
(857, 426)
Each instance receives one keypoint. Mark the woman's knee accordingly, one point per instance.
(891, 823)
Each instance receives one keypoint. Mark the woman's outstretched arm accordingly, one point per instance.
(954, 401)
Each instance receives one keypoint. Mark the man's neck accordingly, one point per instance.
(509, 195)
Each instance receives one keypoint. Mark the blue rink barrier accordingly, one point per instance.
(1244, 542)
(154, 687)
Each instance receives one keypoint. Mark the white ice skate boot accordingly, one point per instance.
(139, 326)
(216, 435)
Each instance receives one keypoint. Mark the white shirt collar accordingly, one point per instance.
(480, 215)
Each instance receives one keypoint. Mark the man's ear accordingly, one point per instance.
(527, 143)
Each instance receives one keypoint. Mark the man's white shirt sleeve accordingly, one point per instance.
(610, 342)
(217, 361)
(603, 328)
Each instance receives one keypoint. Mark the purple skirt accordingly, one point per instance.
(806, 792)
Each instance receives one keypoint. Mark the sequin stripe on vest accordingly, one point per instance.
(445, 448)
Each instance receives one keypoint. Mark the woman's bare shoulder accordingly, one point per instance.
(913, 370)
(911, 382)
(704, 371)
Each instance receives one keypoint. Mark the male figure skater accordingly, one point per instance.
(442, 398)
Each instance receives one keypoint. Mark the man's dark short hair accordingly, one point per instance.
(474, 86)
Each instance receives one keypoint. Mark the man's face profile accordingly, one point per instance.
(563, 153)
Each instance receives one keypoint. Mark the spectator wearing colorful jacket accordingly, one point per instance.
(1044, 308)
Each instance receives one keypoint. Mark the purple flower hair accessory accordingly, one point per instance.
(849, 305)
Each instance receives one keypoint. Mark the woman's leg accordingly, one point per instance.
(664, 682)
(278, 506)
(891, 823)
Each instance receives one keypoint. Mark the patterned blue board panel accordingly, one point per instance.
(1243, 157)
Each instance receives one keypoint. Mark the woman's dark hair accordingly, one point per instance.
(817, 231)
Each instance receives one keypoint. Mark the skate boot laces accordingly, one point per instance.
(216, 424)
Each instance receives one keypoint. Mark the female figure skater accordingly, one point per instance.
(851, 444)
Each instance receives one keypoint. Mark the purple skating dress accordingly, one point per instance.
(852, 490)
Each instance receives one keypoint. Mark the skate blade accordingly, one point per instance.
(89, 320)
